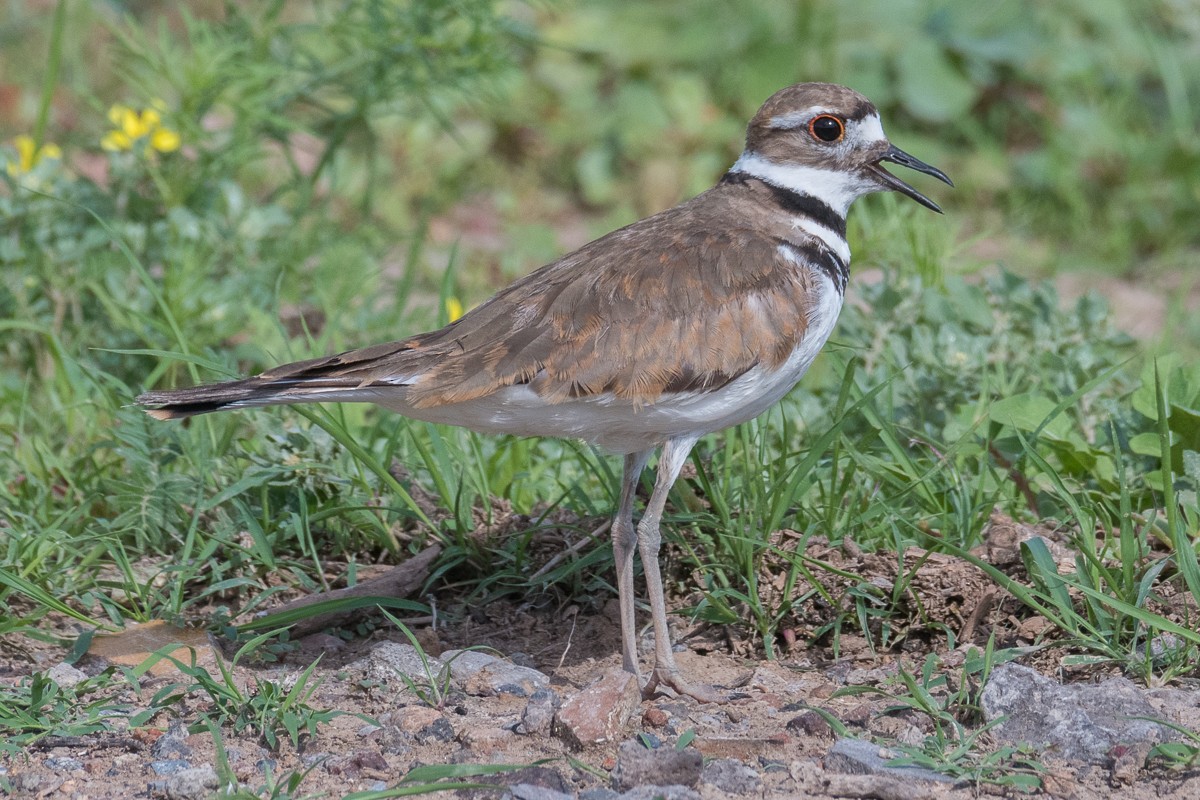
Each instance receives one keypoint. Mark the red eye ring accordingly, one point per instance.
(827, 128)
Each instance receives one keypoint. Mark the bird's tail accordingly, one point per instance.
(370, 374)
(245, 393)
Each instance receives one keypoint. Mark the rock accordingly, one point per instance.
(169, 766)
(437, 731)
(197, 783)
(411, 719)
(860, 757)
(171, 744)
(661, 793)
(538, 717)
(599, 794)
(387, 661)
(66, 675)
(484, 675)
(1076, 723)
(655, 718)
(731, 777)
(637, 765)
(322, 643)
(810, 723)
(601, 711)
(63, 763)
(527, 791)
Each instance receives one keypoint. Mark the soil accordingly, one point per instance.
(769, 723)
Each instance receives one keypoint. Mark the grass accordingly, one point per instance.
(338, 185)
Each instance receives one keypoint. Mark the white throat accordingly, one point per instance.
(835, 188)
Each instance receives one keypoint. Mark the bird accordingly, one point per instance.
(682, 324)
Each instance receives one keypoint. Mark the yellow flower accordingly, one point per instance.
(116, 141)
(132, 126)
(454, 308)
(28, 155)
(164, 140)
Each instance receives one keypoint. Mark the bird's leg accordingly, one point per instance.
(674, 454)
(624, 540)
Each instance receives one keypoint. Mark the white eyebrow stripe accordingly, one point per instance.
(794, 119)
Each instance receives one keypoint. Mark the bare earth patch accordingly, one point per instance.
(773, 739)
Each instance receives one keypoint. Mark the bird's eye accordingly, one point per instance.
(827, 128)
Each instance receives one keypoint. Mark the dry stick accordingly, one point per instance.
(399, 581)
(575, 548)
(977, 614)
(1017, 477)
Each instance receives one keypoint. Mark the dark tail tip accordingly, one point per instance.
(181, 403)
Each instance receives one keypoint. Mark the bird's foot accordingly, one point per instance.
(671, 678)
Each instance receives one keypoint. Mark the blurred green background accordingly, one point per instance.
(1071, 128)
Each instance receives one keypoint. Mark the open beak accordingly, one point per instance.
(888, 180)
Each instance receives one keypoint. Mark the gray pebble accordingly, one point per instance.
(528, 791)
(661, 793)
(538, 717)
(437, 731)
(192, 784)
(66, 675)
(169, 766)
(637, 766)
(731, 777)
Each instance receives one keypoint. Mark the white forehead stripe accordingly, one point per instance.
(835, 188)
(870, 129)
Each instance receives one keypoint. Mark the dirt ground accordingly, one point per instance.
(768, 725)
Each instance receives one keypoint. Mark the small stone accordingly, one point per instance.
(528, 791)
(655, 718)
(810, 723)
(63, 763)
(858, 715)
(638, 766)
(388, 661)
(322, 643)
(413, 718)
(171, 745)
(731, 777)
(170, 766)
(538, 717)
(600, 712)
(484, 675)
(66, 675)
(437, 731)
(522, 660)
(1127, 762)
(599, 794)
(191, 784)
(860, 757)
(486, 739)
(392, 741)
(661, 793)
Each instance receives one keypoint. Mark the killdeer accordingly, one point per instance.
(682, 324)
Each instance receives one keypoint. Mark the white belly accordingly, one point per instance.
(616, 424)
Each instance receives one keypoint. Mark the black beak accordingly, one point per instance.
(888, 180)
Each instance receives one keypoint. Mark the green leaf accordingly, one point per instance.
(1029, 412)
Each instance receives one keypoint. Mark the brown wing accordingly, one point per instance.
(657, 307)
(680, 301)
